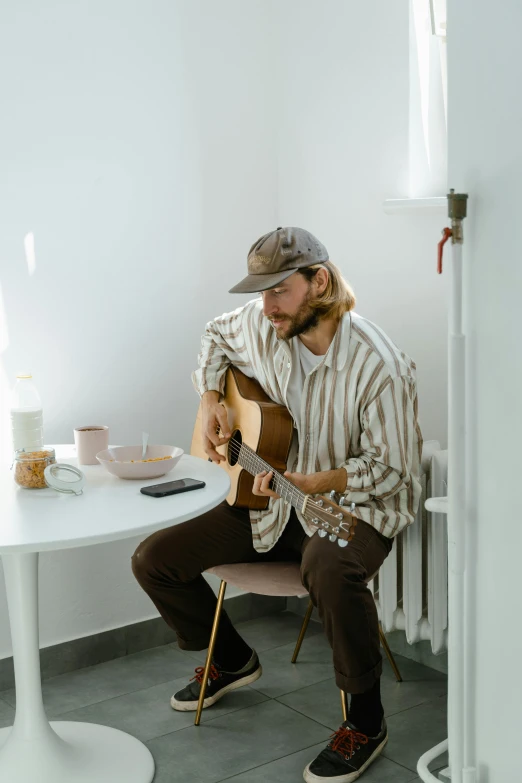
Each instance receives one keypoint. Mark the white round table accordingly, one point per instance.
(34, 521)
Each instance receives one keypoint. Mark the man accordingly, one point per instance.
(352, 395)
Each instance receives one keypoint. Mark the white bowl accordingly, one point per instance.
(117, 461)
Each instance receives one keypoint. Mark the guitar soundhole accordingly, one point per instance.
(234, 444)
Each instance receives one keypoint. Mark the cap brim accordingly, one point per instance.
(251, 284)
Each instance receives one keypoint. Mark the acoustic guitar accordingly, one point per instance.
(262, 433)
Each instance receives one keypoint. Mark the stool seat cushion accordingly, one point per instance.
(282, 579)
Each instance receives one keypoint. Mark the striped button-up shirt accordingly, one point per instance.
(358, 412)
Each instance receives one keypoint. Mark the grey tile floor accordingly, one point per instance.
(262, 734)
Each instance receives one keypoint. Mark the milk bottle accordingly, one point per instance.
(26, 415)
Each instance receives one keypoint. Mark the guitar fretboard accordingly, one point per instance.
(253, 463)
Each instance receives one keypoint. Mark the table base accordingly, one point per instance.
(80, 753)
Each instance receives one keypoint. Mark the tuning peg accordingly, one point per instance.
(322, 530)
(340, 516)
(320, 502)
(328, 509)
(343, 502)
(332, 537)
(342, 542)
(333, 495)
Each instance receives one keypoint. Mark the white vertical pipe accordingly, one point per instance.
(456, 530)
(456, 522)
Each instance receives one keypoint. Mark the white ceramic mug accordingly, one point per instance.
(89, 441)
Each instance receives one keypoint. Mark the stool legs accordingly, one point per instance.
(309, 610)
(304, 626)
(389, 655)
(303, 631)
(208, 662)
(384, 643)
(344, 705)
(344, 697)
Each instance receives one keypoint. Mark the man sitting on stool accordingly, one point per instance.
(352, 394)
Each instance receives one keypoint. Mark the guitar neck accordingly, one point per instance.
(253, 464)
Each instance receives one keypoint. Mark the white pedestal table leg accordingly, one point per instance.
(34, 750)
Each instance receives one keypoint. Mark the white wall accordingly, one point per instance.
(146, 153)
(485, 160)
(137, 145)
(343, 150)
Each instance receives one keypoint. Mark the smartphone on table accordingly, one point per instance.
(172, 487)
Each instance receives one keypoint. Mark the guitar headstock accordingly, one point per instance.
(331, 519)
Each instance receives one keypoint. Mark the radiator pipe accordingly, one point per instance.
(462, 771)
(456, 499)
(427, 758)
(460, 724)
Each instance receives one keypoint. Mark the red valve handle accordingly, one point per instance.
(446, 234)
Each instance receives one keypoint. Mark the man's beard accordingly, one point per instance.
(304, 320)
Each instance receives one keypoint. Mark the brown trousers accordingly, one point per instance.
(168, 566)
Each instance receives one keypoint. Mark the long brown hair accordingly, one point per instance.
(337, 298)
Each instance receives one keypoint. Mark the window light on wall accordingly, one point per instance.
(427, 109)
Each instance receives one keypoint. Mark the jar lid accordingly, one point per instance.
(45, 453)
(71, 487)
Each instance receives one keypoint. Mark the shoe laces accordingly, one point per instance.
(200, 670)
(346, 741)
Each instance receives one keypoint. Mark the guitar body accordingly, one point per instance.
(257, 421)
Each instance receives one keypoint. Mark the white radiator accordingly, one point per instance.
(411, 588)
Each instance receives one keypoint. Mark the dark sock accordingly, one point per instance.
(366, 712)
(231, 652)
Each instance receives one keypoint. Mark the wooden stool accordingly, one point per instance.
(282, 579)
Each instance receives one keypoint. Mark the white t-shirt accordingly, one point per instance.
(308, 361)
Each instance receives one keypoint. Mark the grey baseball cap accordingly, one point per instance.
(277, 255)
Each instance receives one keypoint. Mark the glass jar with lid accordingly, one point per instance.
(29, 467)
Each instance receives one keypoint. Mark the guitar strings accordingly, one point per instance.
(253, 458)
(243, 451)
(249, 456)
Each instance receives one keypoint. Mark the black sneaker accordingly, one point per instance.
(346, 756)
(219, 683)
